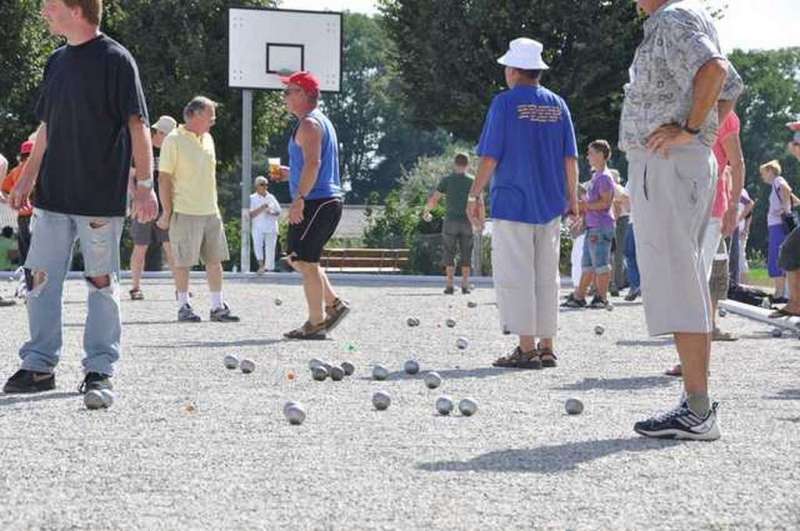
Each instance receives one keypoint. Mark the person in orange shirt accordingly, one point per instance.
(25, 213)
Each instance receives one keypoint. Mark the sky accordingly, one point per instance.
(748, 24)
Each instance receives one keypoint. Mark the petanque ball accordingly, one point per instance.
(231, 362)
(108, 397)
(723, 312)
(599, 330)
(444, 405)
(380, 373)
(289, 404)
(412, 322)
(247, 366)
(381, 400)
(278, 302)
(295, 414)
(411, 367)
(433, 380)
(472, 304)
(337, 374)
(574, 406)
(319, 373)
(468, 407)
(94, 400)
(462, 343)
(777, 332)
(315, 362)
(451, 323)
(348, 368)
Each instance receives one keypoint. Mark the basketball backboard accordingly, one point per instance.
(264, 44)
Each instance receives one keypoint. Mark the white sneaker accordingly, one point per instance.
(681, 423)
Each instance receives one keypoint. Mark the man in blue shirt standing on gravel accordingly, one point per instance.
(528, 145)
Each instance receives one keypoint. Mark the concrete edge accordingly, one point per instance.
(761, 315)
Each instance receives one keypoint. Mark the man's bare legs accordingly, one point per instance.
(137, 266)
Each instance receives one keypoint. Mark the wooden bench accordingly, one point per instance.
(365, 260)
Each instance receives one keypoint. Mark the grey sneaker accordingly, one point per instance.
(186, 314)
(223, 315)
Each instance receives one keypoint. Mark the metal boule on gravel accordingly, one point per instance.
(723, 312)
(468, 407)
(380, 373)
(295, 414)
(289, 404)
(777, 332)
(247, 366)
(472, 304)
(348, 368)
(444, 405)
(278, 302)
(315, 362)
(231, 361)
(381, 400)
(610, 307)
(108, 397)
(451, 323)
(462, 343)
(412, 322)
(411, 367)
(319, 373)
(94, 400)
(573, 406)
(337, 374)
(433, 380)
(599, 329)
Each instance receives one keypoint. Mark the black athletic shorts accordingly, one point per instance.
(307, 239)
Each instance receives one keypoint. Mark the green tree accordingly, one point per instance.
(771, 99)
(447, 55)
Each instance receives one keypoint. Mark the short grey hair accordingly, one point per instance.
(260, 179)
(198, 105)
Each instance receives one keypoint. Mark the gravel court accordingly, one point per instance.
(189, 444)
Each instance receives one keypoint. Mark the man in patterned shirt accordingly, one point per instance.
(681, 88)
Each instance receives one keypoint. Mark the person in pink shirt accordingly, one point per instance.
(724, 218)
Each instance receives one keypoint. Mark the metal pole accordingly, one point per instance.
(247, 175)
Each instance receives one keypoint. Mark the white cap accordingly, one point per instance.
(525, 54)
(165, 124)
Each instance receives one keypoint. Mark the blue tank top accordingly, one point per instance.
(328, 182)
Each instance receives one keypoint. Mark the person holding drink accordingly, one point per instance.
(264, 213)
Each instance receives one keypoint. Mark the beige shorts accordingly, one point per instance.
(672, 205)
(197, 238)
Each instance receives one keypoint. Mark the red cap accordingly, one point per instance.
(794, 126)
(26, 148)
(304, 80)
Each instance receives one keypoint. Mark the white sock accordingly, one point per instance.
(183, 298)
(216, 300)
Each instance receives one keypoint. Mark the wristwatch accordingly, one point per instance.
(691, 130)
(146, 183)
(471, 198)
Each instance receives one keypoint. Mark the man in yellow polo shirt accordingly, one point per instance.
(188, 190)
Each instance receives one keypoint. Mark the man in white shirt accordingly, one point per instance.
(264, 213)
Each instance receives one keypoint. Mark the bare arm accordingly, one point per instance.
(258, 210)
(309, 136)
(433, 200)
(165, 192)
(20, 195)
(3, 167)
(733, 151)
(142, 148)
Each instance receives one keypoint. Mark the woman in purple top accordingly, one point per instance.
(779, 204)
(600, 225)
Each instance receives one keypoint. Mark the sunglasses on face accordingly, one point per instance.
(289, 91)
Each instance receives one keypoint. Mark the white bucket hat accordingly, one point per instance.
(525, 54)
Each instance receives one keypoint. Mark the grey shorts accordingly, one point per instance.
(457, 239)
(147, 233)
(789, 258)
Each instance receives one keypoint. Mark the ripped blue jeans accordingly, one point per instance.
(49, 259)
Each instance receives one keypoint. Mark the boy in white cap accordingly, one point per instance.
(528, 146)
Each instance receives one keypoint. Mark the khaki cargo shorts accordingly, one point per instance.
(197, 238)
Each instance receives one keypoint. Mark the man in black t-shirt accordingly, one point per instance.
(93, 119)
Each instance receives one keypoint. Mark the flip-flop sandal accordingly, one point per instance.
(136, 295)
(307, 331)
(548, 358)
(510, 361)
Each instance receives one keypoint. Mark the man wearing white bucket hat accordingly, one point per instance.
(528, 150)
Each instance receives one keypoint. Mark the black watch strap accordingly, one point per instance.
(691, 130)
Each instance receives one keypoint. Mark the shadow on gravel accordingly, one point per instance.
(786, 394)
(128, 323)
(10, 400)
(452, 374)
(548, 459)
(795, 420)
(618, 384)
(645, 342)
(219, 344)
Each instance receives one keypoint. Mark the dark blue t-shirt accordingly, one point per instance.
(529, 131)
(89, 93)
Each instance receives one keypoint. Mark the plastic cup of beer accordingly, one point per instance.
(274, 167)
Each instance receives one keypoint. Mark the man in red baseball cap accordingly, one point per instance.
(24, 214)
(315, 187)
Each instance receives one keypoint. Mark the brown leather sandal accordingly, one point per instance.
(307, 331)
(548, 358)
